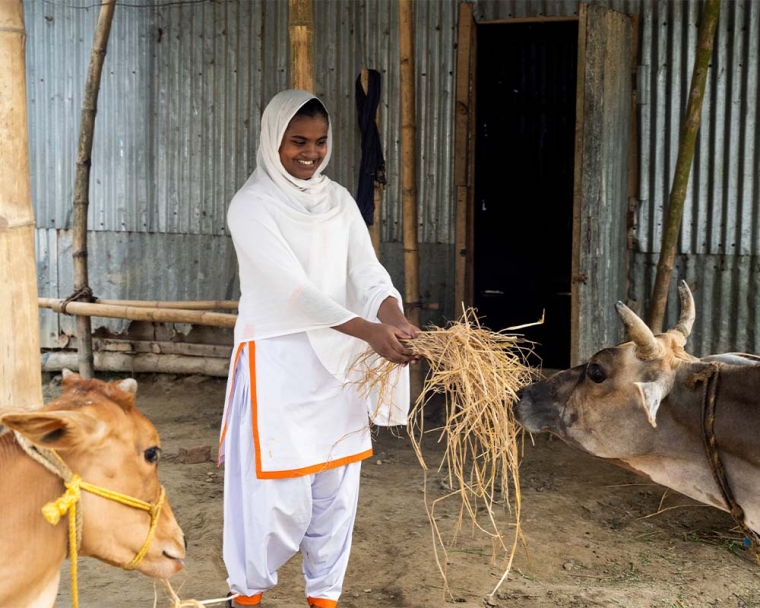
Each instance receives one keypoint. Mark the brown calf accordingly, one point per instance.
(96, 430)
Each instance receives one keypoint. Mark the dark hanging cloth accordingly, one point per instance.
(372, 166)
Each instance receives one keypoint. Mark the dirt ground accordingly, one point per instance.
(596, 535)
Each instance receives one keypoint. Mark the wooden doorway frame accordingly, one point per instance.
(464, 147)
(464, 165)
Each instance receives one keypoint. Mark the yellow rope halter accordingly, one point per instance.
(67, 503)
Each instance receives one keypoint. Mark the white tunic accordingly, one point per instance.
(306, 264)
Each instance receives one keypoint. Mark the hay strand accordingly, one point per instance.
(478, 372)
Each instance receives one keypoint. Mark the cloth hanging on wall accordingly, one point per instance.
(372, 165)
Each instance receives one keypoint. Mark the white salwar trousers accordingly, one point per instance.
(266, 521)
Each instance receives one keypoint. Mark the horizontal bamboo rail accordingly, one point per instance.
(137, 313)
(147, 363)
(183, 304)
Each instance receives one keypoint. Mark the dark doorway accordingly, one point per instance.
(524, 157)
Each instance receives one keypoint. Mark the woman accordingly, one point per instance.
(313, 298)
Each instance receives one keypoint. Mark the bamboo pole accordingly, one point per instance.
(82, 178)
(20, 380)
(184, 304)
(147, 363)
(374, 229)
(135, 313)
(705, 41)
(301, 30)
(409, 176)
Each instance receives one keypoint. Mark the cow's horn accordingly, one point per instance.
(686, 321)
(647, 346)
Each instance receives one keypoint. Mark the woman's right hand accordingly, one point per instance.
(385, 340)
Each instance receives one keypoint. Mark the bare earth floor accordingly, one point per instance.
(593, 533)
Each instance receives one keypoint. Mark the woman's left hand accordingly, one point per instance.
(391, 314)
(411, 331)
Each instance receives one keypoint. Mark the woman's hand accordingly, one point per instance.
(391, 314)
(385, 340)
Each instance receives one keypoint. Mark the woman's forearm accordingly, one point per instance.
(390, 313)
(356, 327)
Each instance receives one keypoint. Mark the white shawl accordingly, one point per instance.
(306, 260)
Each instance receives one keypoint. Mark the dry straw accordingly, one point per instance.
(478, 372)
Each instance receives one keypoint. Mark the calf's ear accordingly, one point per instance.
(56, 430)
(652, 394)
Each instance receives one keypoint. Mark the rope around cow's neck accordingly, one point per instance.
(67, 503)
(710, 376)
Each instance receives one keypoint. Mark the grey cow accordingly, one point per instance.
(690, 424)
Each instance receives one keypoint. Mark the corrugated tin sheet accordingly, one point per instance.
(489, 10)
(135, 266)
(720, 234)
(182, 90)
(720, 231)
(184, 84)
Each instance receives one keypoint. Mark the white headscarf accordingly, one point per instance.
(310, 195)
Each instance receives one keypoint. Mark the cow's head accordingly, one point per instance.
(616, 393)
(98, 432)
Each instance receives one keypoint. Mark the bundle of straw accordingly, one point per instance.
(479, 372)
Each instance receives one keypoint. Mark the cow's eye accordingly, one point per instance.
(153, 454)
(595, 372)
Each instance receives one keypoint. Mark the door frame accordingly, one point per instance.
(464, 161)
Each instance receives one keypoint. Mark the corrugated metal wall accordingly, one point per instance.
(178, 120)
(720, 235)
(184, 84)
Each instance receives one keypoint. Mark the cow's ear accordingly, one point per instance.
(128, 385)
(55, 430)
(652, 394)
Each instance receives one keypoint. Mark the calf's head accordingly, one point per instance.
(101, 436)
(608, 405)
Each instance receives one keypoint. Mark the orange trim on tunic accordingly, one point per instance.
(321, 603)
(254, 406)
(249, 600)
(229, 398)
(316, 468)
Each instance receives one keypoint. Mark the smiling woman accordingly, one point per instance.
(304, 144)
(312, 296)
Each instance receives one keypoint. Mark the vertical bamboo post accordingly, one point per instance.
(20, 377)
(82, 179)
(409, 175)
(301, 30)
(374, 229)
(705, 41)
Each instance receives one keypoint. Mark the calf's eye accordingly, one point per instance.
(595, 372)
(153, 454)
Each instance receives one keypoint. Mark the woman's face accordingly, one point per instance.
(304, 146)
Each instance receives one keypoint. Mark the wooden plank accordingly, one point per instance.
(528, 20)
(462, 156)
(575, 271)
(461, 120)
(460, 259)
(301, 31)
(20, 381)
(471, 169)
(145, 363)
(601, 194)
(160, 348)
(633, 148)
